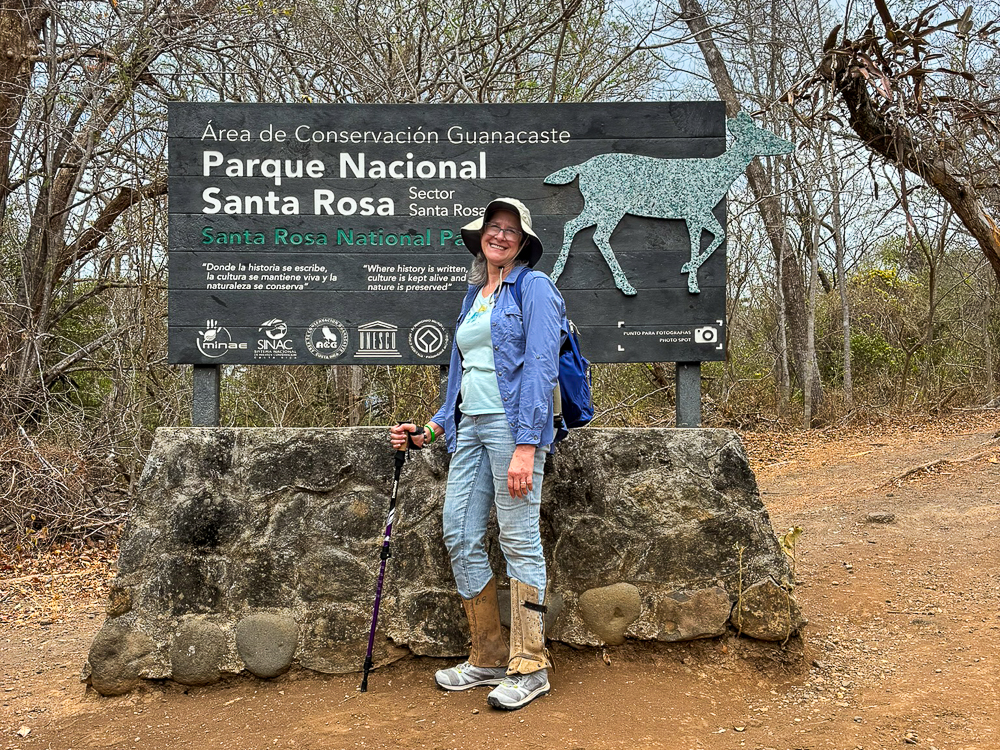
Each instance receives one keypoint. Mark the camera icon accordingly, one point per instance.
(706, 335)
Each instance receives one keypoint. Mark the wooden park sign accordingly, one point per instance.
(329, 234)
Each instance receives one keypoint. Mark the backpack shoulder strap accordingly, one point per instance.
(518, 283)
(567, 324)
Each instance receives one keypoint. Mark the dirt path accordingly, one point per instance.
(899, 571)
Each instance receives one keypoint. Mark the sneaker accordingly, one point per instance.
(466, 675)
(519, 690)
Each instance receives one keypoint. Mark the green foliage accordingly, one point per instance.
(872, 355)
(924, 330)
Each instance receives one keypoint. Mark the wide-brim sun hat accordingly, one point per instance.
(472, 233)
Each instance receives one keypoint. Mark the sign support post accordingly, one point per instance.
(687, 378)
(205, 396)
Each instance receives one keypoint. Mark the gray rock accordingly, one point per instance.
(609, 610)
(880, 518)
(118, 658)
(234, 524)
(687, 615)
(267, 642)
(196, 652)
(767, 612)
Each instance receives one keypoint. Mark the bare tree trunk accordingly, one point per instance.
(21, 23)
(349, 388)
(908, 351)
(837, 227)
(357, 398)
(770, 209)
(784, 376)
(807, 402)
(988, 339)
(935, 256)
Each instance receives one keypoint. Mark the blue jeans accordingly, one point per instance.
(477, 480)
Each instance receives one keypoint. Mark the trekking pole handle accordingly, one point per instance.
(410, 445)
(410, 434)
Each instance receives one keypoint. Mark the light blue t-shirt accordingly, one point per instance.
(480, 392)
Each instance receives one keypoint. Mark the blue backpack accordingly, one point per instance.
(573, 404)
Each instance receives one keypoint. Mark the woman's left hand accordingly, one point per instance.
(520, 475)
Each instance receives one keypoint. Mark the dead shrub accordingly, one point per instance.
(53, 494)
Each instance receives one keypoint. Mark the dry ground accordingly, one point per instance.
(898, 570)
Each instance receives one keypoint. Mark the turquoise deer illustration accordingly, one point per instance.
(614, 185)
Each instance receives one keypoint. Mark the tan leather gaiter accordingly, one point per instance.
(527, 639)
(489, 648)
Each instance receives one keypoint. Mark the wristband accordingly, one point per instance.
(431, 431)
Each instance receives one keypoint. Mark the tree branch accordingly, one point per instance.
(896, 142)
(125, 199)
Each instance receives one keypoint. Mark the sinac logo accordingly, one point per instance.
(274, 329)
(274, 343)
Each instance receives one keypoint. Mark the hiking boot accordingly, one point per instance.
(519, 690)
(466, 675)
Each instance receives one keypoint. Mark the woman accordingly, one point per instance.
(497, 422)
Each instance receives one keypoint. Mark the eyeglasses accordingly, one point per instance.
(507, 234)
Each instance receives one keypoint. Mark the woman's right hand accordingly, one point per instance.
(399, 438)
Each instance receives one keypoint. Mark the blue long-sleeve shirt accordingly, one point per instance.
(526, 342)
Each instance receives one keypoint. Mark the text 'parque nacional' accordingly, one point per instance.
(356, 166)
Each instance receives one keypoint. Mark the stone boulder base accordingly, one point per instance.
(259, 548)
(266, 643)
(118, 656)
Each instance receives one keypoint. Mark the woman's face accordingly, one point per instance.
(501, 247)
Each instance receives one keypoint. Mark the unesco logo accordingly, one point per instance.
(326, 338)
(428, 339)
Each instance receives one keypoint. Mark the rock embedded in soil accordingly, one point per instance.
(609, 610)
(196, 653)
(267, 642)
(118, 659)
(768, 612)
(258, 548)
(693, 614)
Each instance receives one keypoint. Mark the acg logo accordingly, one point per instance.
(326, 338)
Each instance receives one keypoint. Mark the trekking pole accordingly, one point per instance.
(391, 517)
